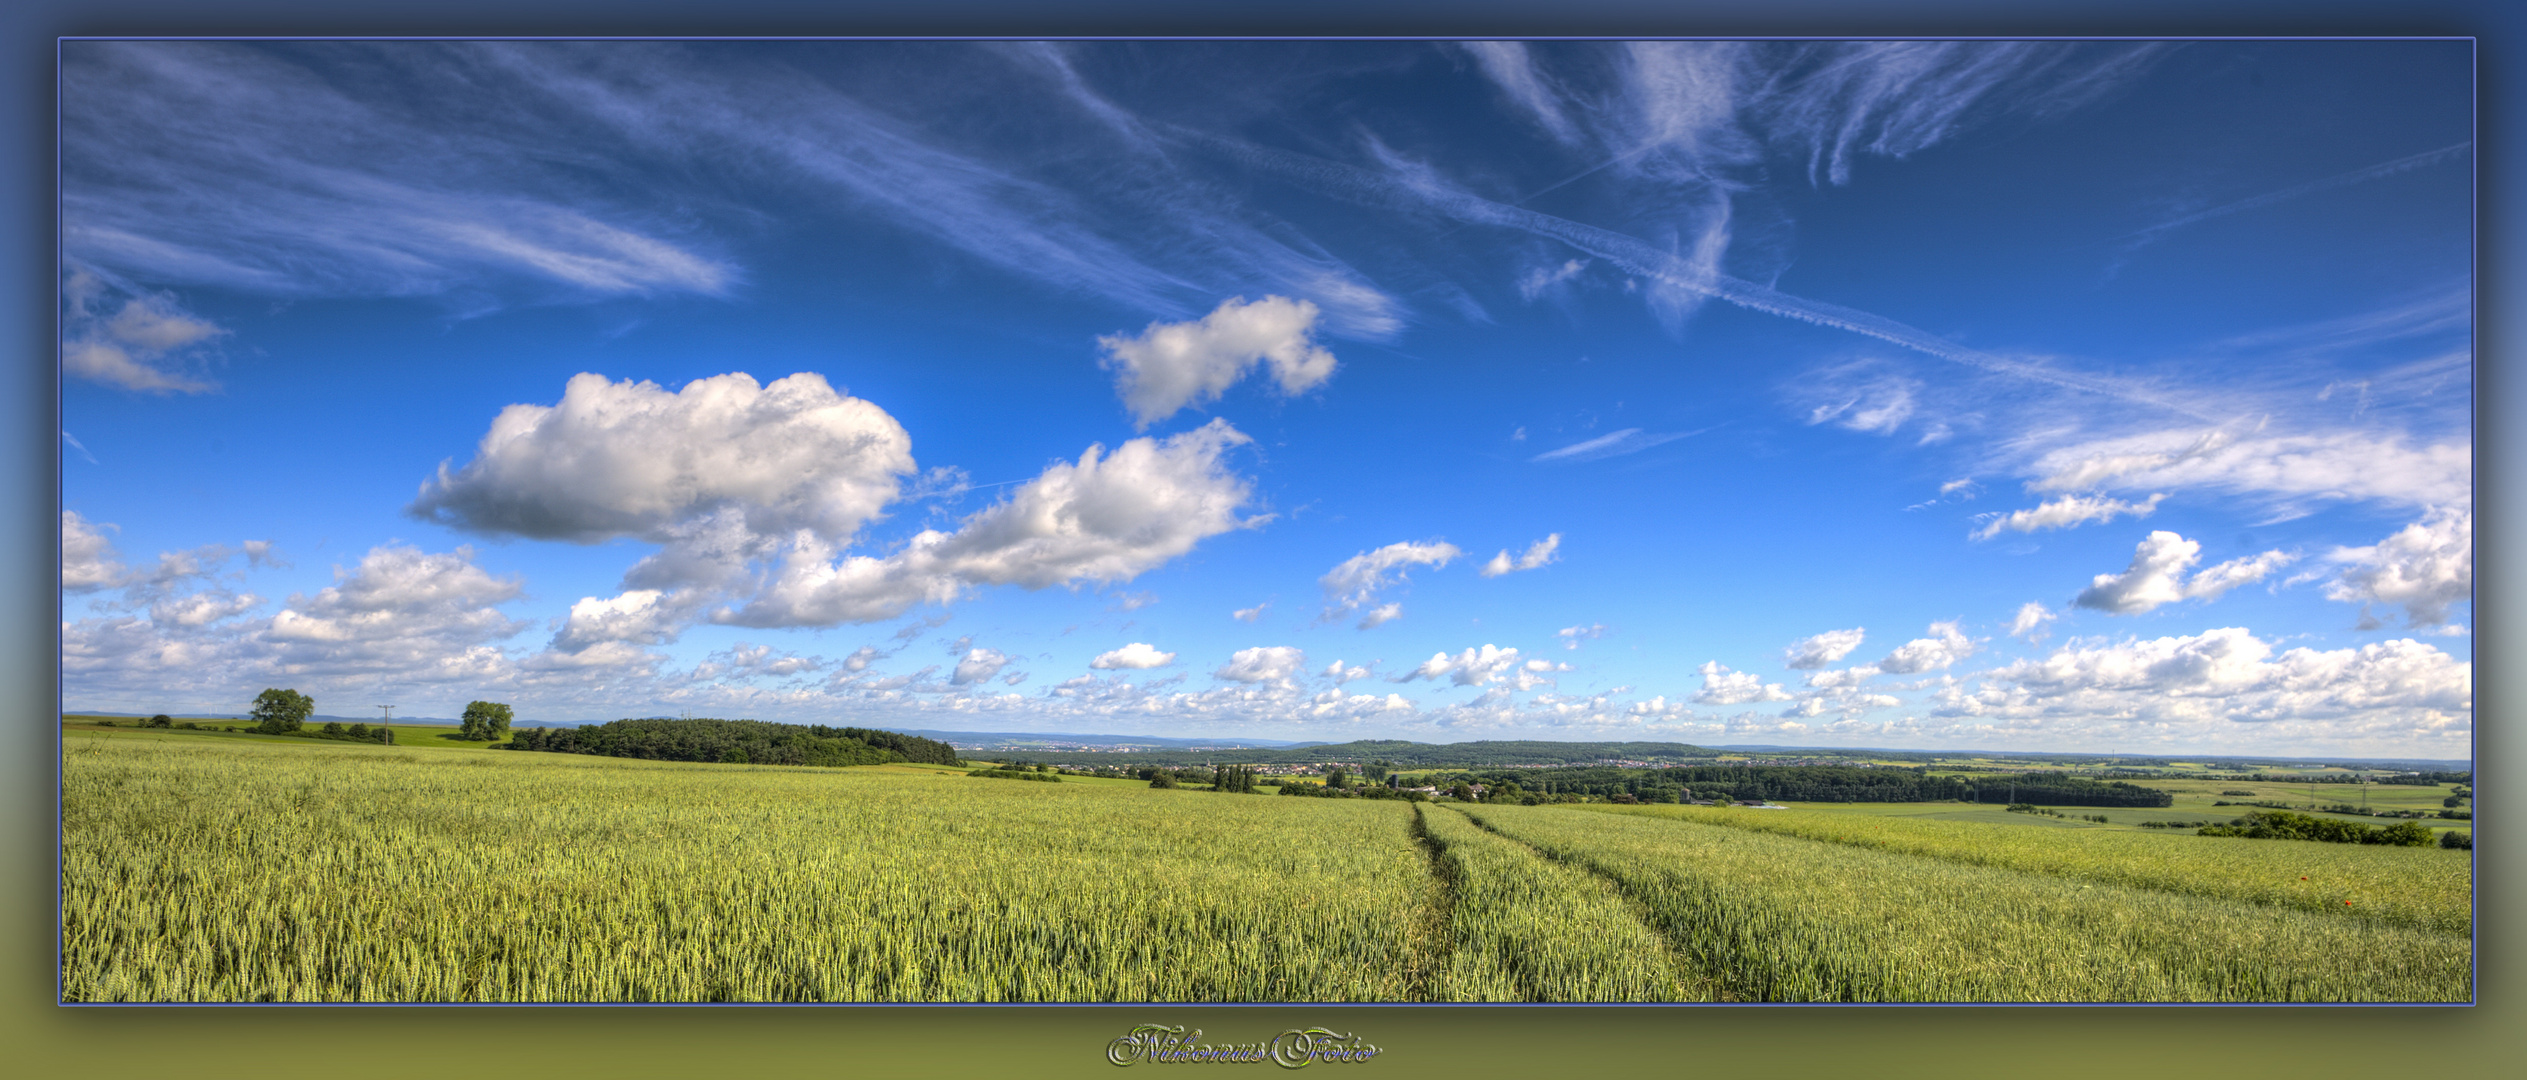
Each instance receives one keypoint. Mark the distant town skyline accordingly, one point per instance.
(2037, 396)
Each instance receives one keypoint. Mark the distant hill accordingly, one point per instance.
(1051, 741)
(1403, 754)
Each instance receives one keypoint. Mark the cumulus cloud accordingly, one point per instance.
(1720, 686)
(1105, 519)
(1137, 656)
(2426, 566)
(2064, 513)
(2229, 675)
(2031, 621)
(88, 559)
(1842, 679)
(1537, 554)
(861, 658)
(139, 345)
(1171, 366)
(633, 459)
(1341, 674)
(1473, 667)
(1810, 653)
(1252, 614)
(1943, 648)
(1572, 635)
(637, 617)
(1262, 664)
(1356, 580)
(978, 665)
(2157, 576)
(1381, 615)
(747, 661)
(401, 612)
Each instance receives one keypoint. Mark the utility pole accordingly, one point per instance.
(389, 724)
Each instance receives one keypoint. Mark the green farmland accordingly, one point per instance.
(220, 867)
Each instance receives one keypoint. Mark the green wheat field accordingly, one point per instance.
(199, 869)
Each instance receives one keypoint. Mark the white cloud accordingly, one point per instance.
(746, 661)
(1356, 580)
(88, 559)
(1539, 280)
(2227, 676)
(1510, 68)
(2031, 621)
(1107, 518)
(1473, 667)
(1262, 664)
(402, 613)
(2426, 566)
(1615, 444)
(2157, 576)
(1252, 614)
(1171, 366)
(1340, 674)
(978, 665)
(1720, 686)
(1572, 635)
(633, 459)
(1137, 656)
(2063, 513)
(1880, 408)
(637, 616)
(2154, 578)
(2333, 465)
(1942, 649)
(2246, 570)
(1381, 615)
(861, 658)
(1537, 554)
(1815, 652)
(1841, 680)
(138, 346)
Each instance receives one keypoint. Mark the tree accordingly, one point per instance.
(485, 721)
(280, 712)
(164, 720)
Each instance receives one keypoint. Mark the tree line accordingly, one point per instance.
(1819, 783)
(754, 742)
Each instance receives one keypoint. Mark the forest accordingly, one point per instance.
(736, 742)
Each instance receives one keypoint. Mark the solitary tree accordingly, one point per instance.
(485, 721)
(279, 712)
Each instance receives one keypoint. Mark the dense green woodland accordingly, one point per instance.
(742, 741)
(1821, 783)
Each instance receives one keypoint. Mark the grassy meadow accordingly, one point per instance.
(220, 867)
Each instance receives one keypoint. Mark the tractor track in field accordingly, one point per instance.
(1436, 933)
(1692, 974)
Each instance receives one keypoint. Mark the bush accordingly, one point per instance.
(2460, 840)
(1168, 780)
(2235, 791)
(160, 720)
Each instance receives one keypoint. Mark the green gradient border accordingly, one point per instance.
(40, 1038)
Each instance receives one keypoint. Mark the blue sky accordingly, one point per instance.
(2080, 396)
